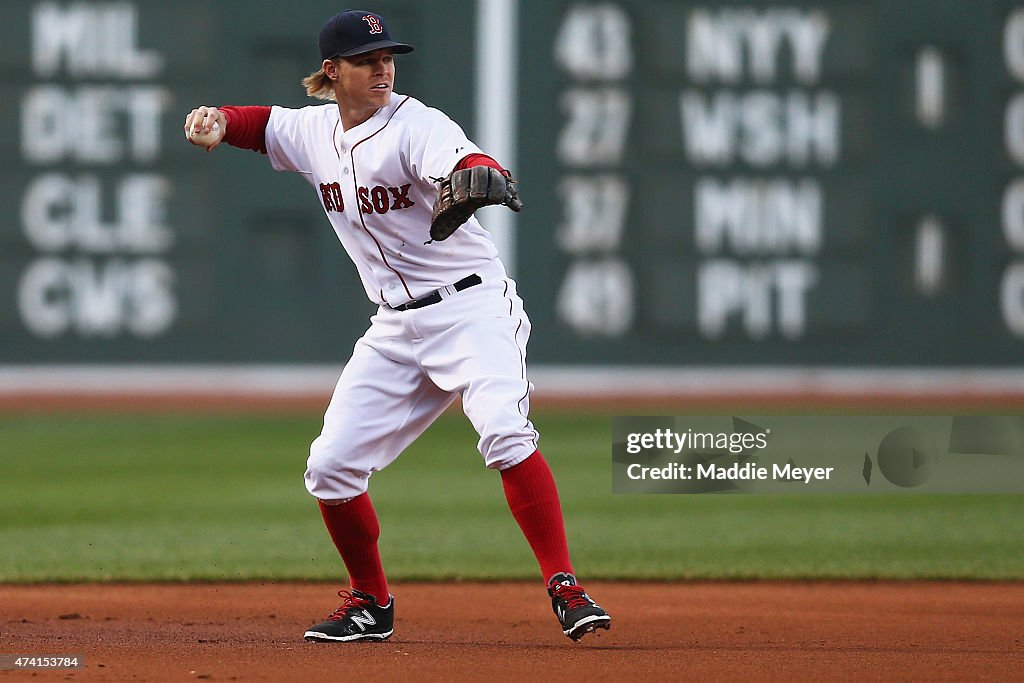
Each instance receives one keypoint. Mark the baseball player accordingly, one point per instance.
(399, 183)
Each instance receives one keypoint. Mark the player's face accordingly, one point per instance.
(365, 81)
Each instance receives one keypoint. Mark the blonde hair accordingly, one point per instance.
(318, 85)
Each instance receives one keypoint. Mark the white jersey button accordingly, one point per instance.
(345, 170)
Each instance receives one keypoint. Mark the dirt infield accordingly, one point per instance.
(499, 632)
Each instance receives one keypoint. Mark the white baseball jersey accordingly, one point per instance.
(378, 182)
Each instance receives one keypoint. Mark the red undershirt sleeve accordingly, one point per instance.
(247, 127)
(472, 160)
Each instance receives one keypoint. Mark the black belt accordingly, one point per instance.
(435, 296)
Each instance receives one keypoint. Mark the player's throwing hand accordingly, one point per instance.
(205, 127)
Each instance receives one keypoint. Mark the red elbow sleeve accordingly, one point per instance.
(247, 127)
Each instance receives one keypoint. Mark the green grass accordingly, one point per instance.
(166, 497)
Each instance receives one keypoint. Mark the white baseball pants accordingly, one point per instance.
(409, 367)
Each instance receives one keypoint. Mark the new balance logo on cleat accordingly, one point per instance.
(358, 618)
(576, 611)
(363, 620)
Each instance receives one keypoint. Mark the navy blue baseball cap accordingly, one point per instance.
(354, 32)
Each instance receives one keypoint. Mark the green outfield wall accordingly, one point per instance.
(706, 183)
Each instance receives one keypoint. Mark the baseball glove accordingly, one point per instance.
(465, 191)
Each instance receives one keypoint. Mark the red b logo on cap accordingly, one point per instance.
(374, 22)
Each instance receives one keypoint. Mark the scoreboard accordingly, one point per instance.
(762, 182)
(829, 183)
(119, 242)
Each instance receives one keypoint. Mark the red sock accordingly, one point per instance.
(533, 498)
(354, 529)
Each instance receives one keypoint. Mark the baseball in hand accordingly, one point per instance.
(205, 139)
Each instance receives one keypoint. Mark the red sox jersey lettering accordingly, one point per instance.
(383, 199)
(380, 199)
(330, 193)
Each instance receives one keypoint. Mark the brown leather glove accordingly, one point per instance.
(465, 191)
